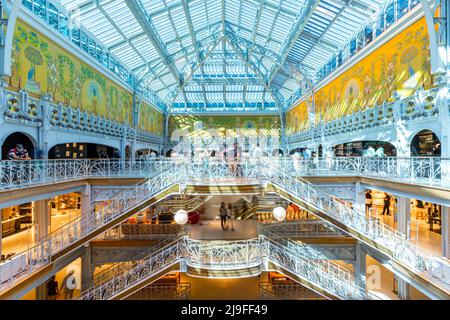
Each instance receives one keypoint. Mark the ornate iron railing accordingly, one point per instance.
(163, 291)
(142, 231)
(28, 173)
(433, 171)
(225, 255)
(122, 279)
(395, 242)
(222, 255)
(286, 291)
(304, 228)
(40, 254)
(118, 267)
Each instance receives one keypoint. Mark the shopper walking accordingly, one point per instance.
(387, 204)
(329, 155)
(223, 216)
(68, 285)
(230, 215)
(52, 289)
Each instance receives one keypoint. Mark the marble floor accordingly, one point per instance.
(212, 230)
(427, 240)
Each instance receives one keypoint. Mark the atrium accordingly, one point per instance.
(225, 150)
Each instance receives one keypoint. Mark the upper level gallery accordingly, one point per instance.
(390, 89)
(59, 81)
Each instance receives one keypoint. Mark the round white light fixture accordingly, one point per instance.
(181, 217)
(279, 213)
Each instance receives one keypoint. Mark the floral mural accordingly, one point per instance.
(248, 125)
(150, 119)
(402, 65)
(41, 67)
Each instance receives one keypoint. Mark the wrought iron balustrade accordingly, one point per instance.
(41, 253)
(435, 268)
(118, 267)
(224, 255)
(163, 291)
(286, 291)
(433, 171)
(304, 228)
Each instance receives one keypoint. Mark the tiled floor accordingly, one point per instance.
(212, 230)
(427, 240)
(21, 241)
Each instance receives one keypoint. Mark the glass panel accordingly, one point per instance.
(52, 16)
(380, 25)
(28, 4)
(112, 64)
(40, 8)
(99, 53)
(352, 47)
(368, 33)
(402, 8)
(76, 36)
(390, 15)
(63, 29)
(340, 58)
(84, 41)
(105, 57)
(91, 48)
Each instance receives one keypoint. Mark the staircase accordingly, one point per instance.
(87, 226)
(225, 258)
(262, 205)
(189, 204)
(434, 270)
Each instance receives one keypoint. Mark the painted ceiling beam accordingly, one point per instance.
(299, 24)
(141, 15)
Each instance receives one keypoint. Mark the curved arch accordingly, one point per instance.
(365, 143)
(433, 148)
(23, 138)
(414, 133)
(5, 68)
(89, 150)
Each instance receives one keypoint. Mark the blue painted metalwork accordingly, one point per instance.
(261, 52)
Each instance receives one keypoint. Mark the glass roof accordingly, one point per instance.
(240, 54)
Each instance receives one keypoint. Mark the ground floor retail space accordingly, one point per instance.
(423, 220)
(23, 224)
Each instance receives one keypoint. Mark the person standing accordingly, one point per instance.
(52, 289)
(223, 216)
(68, 285)
(329, 155)
(257, 152)
(18, 153)
(371, 152)
(306, 153)
(380, 152)
(387, 204)
(230, 215)
(368, 200)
